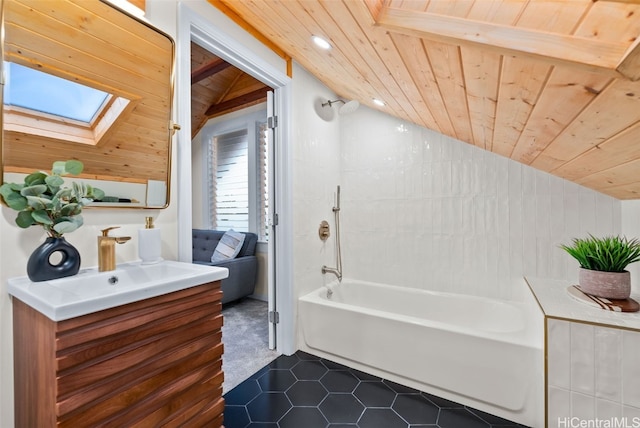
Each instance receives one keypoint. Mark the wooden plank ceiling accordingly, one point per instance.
(552, 84)
(218, 88)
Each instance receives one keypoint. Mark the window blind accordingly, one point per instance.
(231, 183)
(263, 182)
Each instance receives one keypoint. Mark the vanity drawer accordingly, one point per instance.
(155, 362)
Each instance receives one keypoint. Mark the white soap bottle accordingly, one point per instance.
(149, 243)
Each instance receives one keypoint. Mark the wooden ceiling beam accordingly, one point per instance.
(374, 6)
(630, 64)
(209, 69)
(237, 102)
(557, 49)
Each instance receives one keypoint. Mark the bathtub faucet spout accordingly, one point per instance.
(336, 272)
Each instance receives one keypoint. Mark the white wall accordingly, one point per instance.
(17, 244)
(631, 229)
(316, 172)
(592, 374)
(427, 211)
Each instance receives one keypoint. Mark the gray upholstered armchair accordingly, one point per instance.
(243, 269)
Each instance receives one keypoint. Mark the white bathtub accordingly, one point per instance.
(483, 353)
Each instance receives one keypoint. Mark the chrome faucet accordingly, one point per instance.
(107, 249)
(335, 271)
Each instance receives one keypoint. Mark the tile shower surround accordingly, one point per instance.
(305, 391)
(593, 372)
(418, 204)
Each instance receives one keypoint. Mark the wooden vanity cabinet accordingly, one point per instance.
(155, 362)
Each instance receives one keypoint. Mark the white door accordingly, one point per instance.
(273, 318)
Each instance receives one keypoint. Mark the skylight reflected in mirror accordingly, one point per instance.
(42, 92)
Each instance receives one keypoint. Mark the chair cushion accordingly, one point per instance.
(206, 240)
(229, 246)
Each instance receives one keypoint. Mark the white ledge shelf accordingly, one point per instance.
(555, 302)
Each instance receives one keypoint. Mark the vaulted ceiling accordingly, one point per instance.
(552, 84)
(219, 88)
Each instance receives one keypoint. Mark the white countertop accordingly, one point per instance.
(92, 291)
(555, 301)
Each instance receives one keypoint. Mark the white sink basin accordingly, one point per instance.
(91, 291)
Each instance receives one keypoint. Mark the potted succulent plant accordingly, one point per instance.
(602, 264)
(43, 200)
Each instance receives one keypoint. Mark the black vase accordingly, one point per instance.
(40, 268)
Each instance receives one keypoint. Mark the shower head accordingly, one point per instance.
(347, 106)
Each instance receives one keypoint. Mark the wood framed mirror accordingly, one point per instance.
(125, 139)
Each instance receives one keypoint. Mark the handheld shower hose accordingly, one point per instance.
(337, 271)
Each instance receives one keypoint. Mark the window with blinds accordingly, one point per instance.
(263, 181)
(239, 197)
(231, 182)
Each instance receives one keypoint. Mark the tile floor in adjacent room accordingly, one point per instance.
(305, 391)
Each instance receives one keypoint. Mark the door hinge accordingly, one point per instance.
(275, 220)
(272, 122)
(274, 317)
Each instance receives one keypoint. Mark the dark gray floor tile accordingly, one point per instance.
(339, 381)
(442, 403)
(416, 409)
(342, 408)
(460, 418)
(284, 362)
(268, 407)
(374, 394)
(493, 420)
(235, 417)
(276, 381)
(298, 417)
(364, 376)
(243, 393)
(309, 370)
(306, 356)
(336, 400)
(306, 393)
(259, 373)
(400, 389)
(381, 418)
(331, 365)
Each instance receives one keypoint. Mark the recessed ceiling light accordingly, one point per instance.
(128, 7)
(320, 42)
(378, 102)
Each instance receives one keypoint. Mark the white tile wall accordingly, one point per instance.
(631, 368)
(316, 172)
(602, 364)
(558, 351)
(631, 228)
(582, 358)
(608, 364)
(427, 211)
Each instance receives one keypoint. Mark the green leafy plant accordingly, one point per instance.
(608, 254)
(42, 199)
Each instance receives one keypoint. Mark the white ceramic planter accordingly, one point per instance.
(610, 285)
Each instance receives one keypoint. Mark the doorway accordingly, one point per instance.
(194, 26)
(232, 168)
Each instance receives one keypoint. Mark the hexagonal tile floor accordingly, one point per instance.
(305, 391)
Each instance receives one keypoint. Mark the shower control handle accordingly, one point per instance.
(323, 230)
